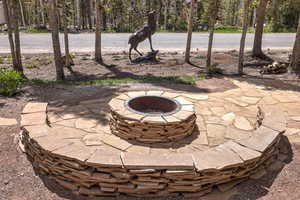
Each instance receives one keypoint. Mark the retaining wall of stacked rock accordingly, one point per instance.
(101, 173)
(151, 132)
(152, 129)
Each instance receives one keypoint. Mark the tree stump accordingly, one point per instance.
(150, 57)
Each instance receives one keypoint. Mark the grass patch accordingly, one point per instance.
(200, 57)
(228, 29)
(214, 69)
(38, 62)
(35, 30)
(32, 64)
(186, 80)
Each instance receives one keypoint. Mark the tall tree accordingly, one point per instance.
(42, 13)
(213, 10)
(190, 31)
(53, 21)
(22, 13)
(275, 15)
(78, 14)
(65, 16)
(98, 53)
(259, 29)
(11, 12)
(244, 33)
(295, 59)
(90, 14)
(166, 12)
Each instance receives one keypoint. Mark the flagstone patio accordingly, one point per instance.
(237, 132)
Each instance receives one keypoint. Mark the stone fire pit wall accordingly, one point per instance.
(151, 128)
(101, 173)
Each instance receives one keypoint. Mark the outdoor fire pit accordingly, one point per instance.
(150, 118)
(153, 105)
(151, 148)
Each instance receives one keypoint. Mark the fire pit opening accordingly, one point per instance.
(153, 105)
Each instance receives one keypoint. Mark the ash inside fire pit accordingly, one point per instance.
(153, 105)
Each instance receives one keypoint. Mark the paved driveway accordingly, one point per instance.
(32, 43)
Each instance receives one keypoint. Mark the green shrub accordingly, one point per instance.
(214, 69)
(202, 76)
(10, 82)
(1, 60)
(227, 29)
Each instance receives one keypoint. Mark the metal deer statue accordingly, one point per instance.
(146, 32)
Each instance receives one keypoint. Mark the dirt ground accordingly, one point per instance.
(18, 181)
(170, 64)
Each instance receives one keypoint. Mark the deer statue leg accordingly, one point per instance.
(150, 40)
(130, 50)
(138, 51)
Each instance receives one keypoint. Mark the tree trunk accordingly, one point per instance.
(166, 12)
(148, 5)
(214, 9)
(53, 21)
(91, 13)
(245, 28)
(254, 16)
(98, 53)
(17, 35)
(66, 36)
(12, 16)
(78, 14)
(276, 17)
(22, 13)
(210, 42)
(295, 59)
(260, 20)
(42, 13)
(190, 32)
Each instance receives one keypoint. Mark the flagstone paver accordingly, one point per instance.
(242, 123)
(227, 143)
(34, 107)
(38, 118)
(7, 121)
(229, 117)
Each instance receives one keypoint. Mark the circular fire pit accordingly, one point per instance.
(153, 105)
(151, 118)
(71, 144)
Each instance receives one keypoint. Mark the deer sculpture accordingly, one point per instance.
(146, 32)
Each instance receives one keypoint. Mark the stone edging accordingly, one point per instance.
(151, 129)
(111, 174)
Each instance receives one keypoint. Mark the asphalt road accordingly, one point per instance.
(33, 43)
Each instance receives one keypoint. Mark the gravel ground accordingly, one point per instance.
(41, 66)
